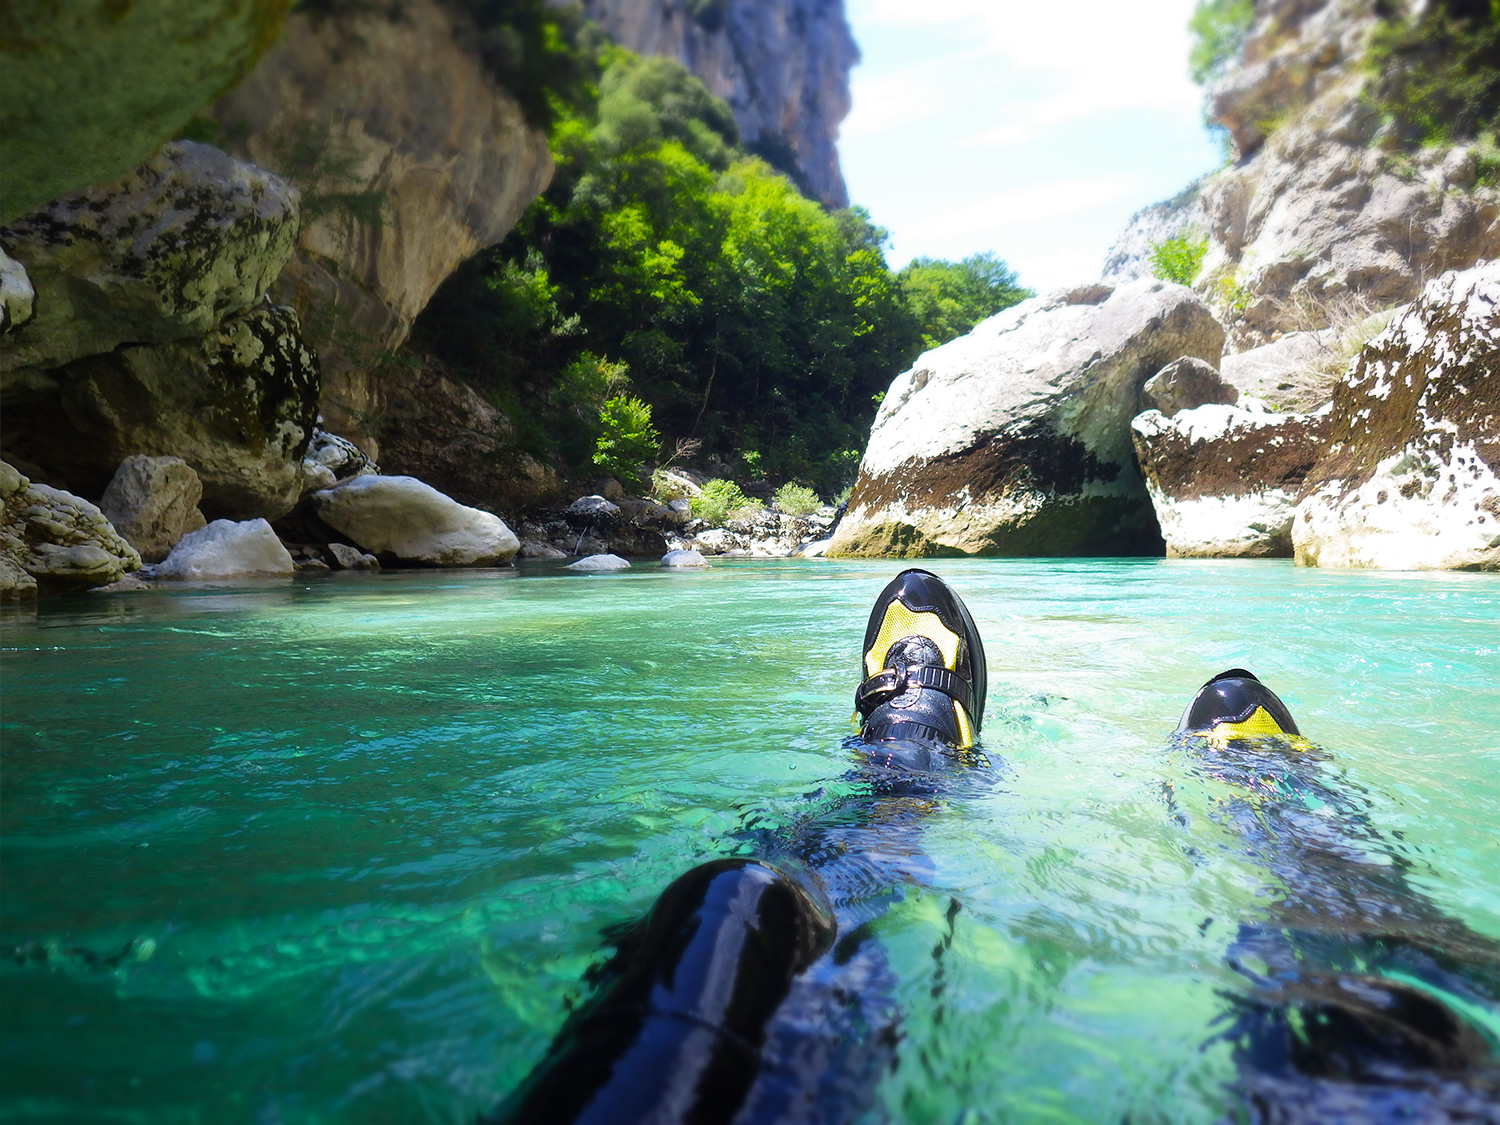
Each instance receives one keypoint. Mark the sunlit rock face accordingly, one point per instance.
(1226, 481)
(1324, 217)
(1015, 439)
(782, 65)
(411, 158)
(1411, 477)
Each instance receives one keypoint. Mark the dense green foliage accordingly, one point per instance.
(695, 276)
(1437, 77)
(795, 500)
(627, 439)
(950, 298)
(1178, 259)
(1218, 29)
(720, 501)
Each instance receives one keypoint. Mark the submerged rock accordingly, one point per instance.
(599, 564)
(413, 522)
(1409, 480)
(57, 540)
(1015, 439)
(226, 549)
(1226, 481)
(153, 502)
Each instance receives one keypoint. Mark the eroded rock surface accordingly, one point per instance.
(237, 405)
(1224, 481)
(57, 540)
(161, 255)
(404, 519)
(153, 502)
(782, 65)
(1409, 480)
(1327, 216)
(412, 159)
(1015, 439)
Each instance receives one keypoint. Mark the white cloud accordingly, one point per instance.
(1031, 130)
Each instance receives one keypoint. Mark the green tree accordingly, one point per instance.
(627, 439)
(949, 298)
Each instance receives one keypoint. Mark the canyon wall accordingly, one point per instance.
(782, 65)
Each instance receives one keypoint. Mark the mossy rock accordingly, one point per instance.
(90, 88)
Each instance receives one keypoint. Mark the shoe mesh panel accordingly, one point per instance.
(965, 731)
(901, 622)
(1258, 724)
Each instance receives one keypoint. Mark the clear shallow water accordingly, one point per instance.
(341, 850)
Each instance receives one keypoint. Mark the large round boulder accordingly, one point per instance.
(162, 254)
(403, 519)
(1015, 439)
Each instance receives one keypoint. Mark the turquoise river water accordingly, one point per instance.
(341, 850)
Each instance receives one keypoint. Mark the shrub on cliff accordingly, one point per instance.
(796, 500)
(1217, 29)
(1178, 259)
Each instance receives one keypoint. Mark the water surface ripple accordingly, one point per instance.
(341, 850)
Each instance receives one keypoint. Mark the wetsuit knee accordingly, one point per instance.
(676, 1033)
(1235, 704)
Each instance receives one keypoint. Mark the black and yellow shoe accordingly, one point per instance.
(924, 670)
(1234, 704)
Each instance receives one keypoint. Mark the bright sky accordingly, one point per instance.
(1033, 129)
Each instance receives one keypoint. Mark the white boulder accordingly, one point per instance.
(683, 559)
(226, 549)
(414, 522)
(599, 564)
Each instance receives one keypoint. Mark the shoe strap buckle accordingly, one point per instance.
(882, 687)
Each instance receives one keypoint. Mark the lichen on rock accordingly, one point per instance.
(1411, 476)
(163, 254)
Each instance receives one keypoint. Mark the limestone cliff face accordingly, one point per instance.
(1327, 215)
(411, 159)
(782, 65)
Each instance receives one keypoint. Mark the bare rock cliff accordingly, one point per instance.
(782, 65)
(1328, 214)
(411, 158)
